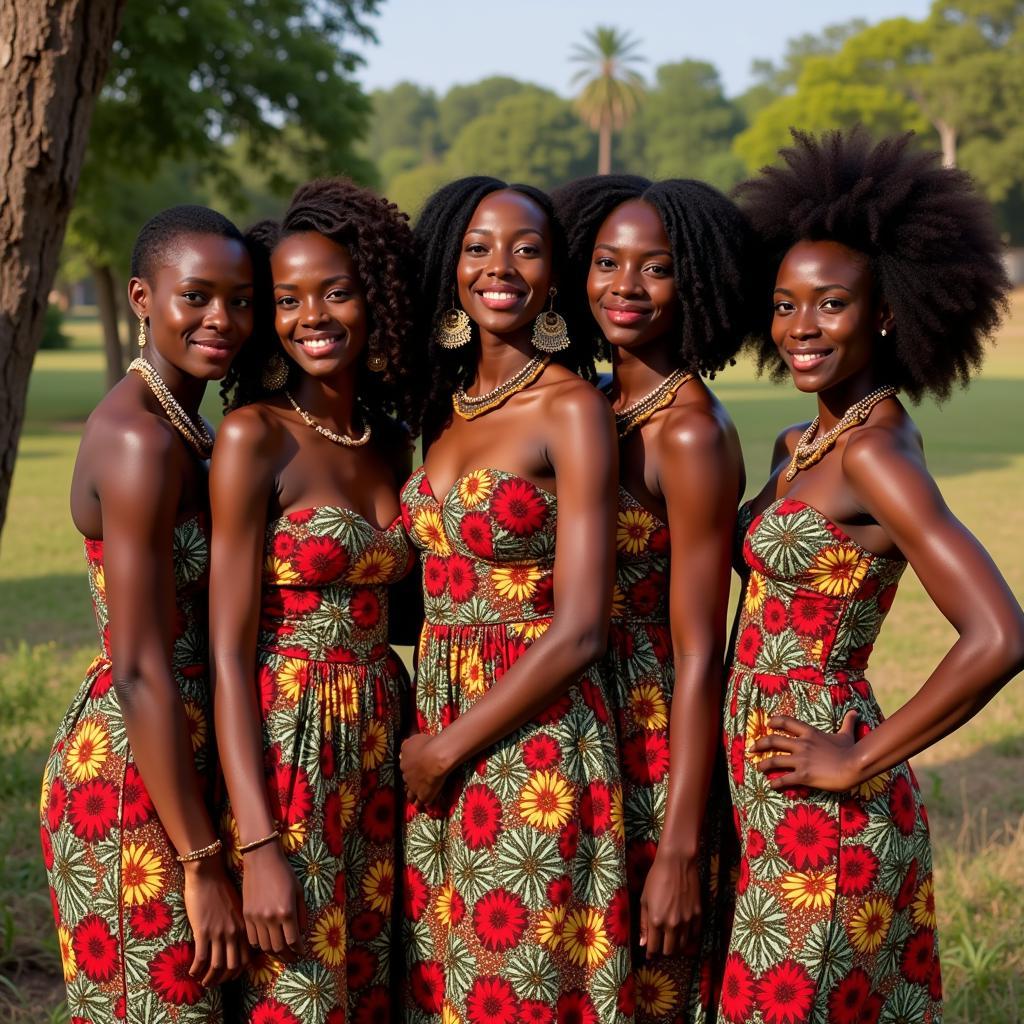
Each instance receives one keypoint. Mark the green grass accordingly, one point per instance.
(975, 446)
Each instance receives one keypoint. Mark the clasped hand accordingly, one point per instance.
(801, 755)
(422, 768)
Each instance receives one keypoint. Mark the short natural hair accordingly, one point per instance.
(157, 236)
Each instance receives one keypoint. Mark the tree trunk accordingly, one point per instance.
(106, 303)
(947, 137)
(604, 149)
(53, 58)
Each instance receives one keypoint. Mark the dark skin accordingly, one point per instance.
(683, 465)
(558, 434)
(875, 486)
(135, 478)
(268, 463)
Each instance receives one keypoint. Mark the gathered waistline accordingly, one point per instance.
(811, 674)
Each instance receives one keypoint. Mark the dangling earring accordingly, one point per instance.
(550, 333)
(142, 332)
(275, 373)
(376, 362)
(884, 332)
(455, 329)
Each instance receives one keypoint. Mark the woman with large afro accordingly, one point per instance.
(887, 280)
(663, 270)
(307, 539)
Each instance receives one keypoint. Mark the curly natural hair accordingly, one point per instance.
(438, 235)
(929, 237)
(379, 239)
(713, 259)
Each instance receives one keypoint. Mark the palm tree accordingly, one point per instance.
(611, 87)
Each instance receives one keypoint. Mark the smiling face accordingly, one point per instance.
(320, 306)
(630, 286)
(827, 315)
(506, 264)
(198, 304)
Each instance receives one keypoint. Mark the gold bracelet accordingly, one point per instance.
(249, 847)
(202, 853)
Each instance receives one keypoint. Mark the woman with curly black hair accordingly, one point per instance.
(665, 270)
(307, 537)
(887, 278)
(516, 899)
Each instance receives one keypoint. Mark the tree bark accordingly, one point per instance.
(107, 304)
(947, 137)
(53, 58)
(604, 148)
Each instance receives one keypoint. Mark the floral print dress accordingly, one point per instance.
(641, 677)
(515, 894)
(115, 885)
(330, 692)
(835, 910)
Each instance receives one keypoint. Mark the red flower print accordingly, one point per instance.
(291, 800)
(340, 655)
(918, 960)
(518, 507)
(359, 967)
(95, 948)
(738, 759)
(626, 1001)
(415, 895)
(302, 515)
(120, 1009)
(543, 599)
(595, 808)
(617, 918)
(481, 816)
(332, 824)
(435, 575)
(54, 907)
(168, 974)
(150, 920)
(902, 805)
(555, 711)
(499, 919)
(807, 837)
(560, 890)
(906, 894)
(639, 858)
(462, 579)
(594, 699)
(774, 616)
(327, 760)
(812, 613)
(806, 674)
(934, 987)
(743, 875)
(283, 545)
(296, 602)
(541, 752)
(475, 529)
(749, 646)
(102, 683)
(575, 1008)
(661, 640)
(755, 844)
(645, 757)
(365, 927)
(858, 658)
(788, 507)
(374, 1007)
(427, 983)
(532, 1011)
(646, 593)
(737, 999)
(770, 684)
(785, 994)
(92, 809)
(44, 838)
(886, 598)
(848, 998)
(320, 559)
(378, 818)
(270, 1011)
(569, 841)
(491, 1001)
(660, 541)
(136, 806)
(55, 804)
(867, 589)
(364, 607)
(858, 867)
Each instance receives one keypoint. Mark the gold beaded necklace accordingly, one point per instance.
(343, 439)
(198, 437)
(641, 411)
(808, 452)
(471, 406)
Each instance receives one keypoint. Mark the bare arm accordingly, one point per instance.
(139, 491)
(584, 457)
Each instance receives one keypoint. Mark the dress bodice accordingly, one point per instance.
(325, 576)
(815, 599)
(642, 553)
(191, 557)
(488, 547)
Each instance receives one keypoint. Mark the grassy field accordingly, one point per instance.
(971, 780)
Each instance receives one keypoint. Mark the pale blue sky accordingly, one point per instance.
(439, 43)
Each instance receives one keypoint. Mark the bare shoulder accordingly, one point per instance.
(566, 397)
(891, 439)
(696, 423)
(122, 428)
(253, 428)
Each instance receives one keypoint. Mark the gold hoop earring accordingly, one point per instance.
(455, 329)
(550, 332)
(376, 362)
(275, 373)
(142, 332)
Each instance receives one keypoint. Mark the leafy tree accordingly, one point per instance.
(411, 188)
(612, 87)
(463, 103)
(404, 117)
(782, 77)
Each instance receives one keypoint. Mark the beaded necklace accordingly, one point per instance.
(331, 435)
(637, 414)
(471, 406)
(198, 437)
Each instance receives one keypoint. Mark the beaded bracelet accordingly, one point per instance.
(201, 854)
(249, 847)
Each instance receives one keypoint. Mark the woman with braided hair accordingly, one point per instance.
(663, 270)
(307, 538)
(887, 278)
